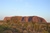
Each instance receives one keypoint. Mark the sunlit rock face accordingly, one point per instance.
(38, 19)
(25, 19)
(7, 18)
(33, 19)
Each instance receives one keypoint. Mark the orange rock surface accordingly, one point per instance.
(25, 19)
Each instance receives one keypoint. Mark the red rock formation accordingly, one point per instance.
(16, 18)
(38, 19)
(25, 19)
(7, 18)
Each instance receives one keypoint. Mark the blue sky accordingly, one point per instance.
(25, 8)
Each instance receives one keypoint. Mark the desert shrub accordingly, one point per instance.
(7, 31)
(28, 27)
(44, 31)
(3, 28)
(48, 28)
(36, 26)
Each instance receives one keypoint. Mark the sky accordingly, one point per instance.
(39, 8)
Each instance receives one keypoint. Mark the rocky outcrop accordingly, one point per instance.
(25, 19)
(7, 18)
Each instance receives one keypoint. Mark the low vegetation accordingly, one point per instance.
(24, 27)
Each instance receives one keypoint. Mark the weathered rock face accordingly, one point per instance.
(16, 18)
(38, 19)
(7, 18)
(25, 19)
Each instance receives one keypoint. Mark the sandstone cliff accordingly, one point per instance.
(25, 19)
